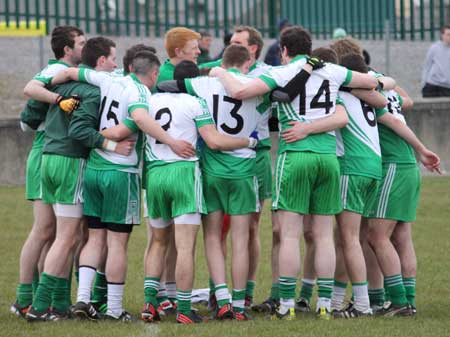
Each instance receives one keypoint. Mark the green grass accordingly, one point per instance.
(431, 234)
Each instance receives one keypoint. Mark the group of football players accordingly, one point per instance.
(194, 140)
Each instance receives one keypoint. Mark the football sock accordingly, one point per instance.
(306, 291)
(222, 295)
(100, 288)
(212, 287)
(337, 299)
(325, 287)
(275, 291)
(61, 300)
(151, 287)
(410, 288)
(171, 291)
(238, 300)
(24, 294)
(184, 301)
(396, 290)
(43, 297)
(361, 295)
(376, 297)
(115, 297)
(86, 276)
(35, 282)
(162, 293)
(287, 291)
(249, 289)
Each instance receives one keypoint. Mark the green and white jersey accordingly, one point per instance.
(120, 96)
(394, 149)
(357, 144)
(45, 75)
(238, 118)
(180, 115)
(257, 69)
(315, 102)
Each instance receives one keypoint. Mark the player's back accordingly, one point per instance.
(179, 115)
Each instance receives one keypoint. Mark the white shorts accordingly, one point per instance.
(68, 211)
(185, 219)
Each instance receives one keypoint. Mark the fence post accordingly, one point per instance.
(387, 47)
(272, 18)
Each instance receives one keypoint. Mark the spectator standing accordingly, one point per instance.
(436, 70)
(273, 53)
(204, 44)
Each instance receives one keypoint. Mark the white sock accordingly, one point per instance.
(86, 276)
(171, 288)
(162, 291)
(337, 299)
(223, 293)
(361, 294)
(115, 297)
(286, 304)
(323, 302)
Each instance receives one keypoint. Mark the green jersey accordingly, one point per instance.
(318, 100)
(166, 71)
(357, 144)
(238, 118)
(212, 64)
(34, 112)
(394, 149)
(120, 97)
(63, 134)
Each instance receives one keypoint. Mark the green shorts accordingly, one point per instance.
(174, 189)
(264, 174)
(307, 183)
(357, 193)
(62, 179)
(113, 196)
(398, 194)
(33, 186)
(233, 196)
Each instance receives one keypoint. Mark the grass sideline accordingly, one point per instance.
(431, 234)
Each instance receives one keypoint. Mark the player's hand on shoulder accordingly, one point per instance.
(216, 71)
(315, 62)
(68, 104)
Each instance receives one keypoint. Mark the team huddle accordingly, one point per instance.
(194, 141)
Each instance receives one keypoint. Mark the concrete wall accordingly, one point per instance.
(430, 119)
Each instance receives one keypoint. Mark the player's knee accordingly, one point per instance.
(308, 236)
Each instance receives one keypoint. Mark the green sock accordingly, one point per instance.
(184, 301)
(250, 288)
(386, 291)
(61, 295)
(306, 291)
(35, 281)
(238, 298)
(325, 287)
(212, 287)
(151, 286)
(287, 287)
(275, 291)
(43, 297)
(410, 288)
(24, 294)
(376, 296)
(69, 289)
(396, 290)
(100, 288)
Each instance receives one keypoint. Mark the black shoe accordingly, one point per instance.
(394, 310)
(125, 316)
(36, 316)
(193, 317)
(85, 311)
(302, 305)
(352, 313)
(413, 310)
(55, 315)
(268, 306)
(19, 311)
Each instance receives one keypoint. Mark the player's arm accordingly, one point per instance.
(386, 82)
(220, 142)
(148, 125)
(429, 159)
(371, 97)
(407, 101)
(362, 81)
(117, 132)
(36, 90)
(173, 86)
(301, 130)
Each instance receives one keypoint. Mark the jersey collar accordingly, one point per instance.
(298, 57)
(233, 70)
(135, 78)
(253, 66)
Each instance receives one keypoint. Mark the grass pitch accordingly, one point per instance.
(431, 234)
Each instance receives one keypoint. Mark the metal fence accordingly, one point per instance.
(367, 19)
